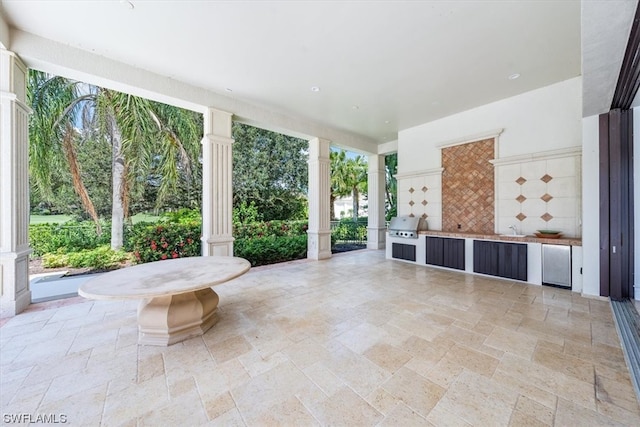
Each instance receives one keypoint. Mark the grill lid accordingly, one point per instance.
(405, 223)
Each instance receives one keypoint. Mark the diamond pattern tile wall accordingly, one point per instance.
(468, 190)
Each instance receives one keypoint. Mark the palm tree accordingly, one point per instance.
(149, 140)
(348, 177)
(54, 101)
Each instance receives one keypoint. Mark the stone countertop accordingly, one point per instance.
(567, 241)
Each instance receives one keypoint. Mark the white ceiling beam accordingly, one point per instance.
(63, 60)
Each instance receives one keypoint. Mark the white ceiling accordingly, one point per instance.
(381, 66)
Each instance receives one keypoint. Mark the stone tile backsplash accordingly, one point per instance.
(468, 190)
(532, 192)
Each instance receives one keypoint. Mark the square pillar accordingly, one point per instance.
(217, 191)
(319, 232)
(15, 294)
(376, 229)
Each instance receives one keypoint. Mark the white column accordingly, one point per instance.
(15, 294)
(217, 192)
(319, 232)
(376, 230)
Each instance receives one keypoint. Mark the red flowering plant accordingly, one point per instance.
(166, 241)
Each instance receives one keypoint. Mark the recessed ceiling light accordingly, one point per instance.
(127, 3)
(229, 89)
(514, 76)
(355, 107)
(315, 89)
(386, 122)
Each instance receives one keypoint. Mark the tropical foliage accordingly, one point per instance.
(348, 178)
(270, 173)
(153, 146)
(391, 185)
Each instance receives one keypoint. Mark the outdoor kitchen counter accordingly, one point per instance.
(569, 241)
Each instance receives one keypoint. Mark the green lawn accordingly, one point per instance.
(58, 219)
(52, 219)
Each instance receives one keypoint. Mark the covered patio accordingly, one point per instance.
(303, 343)
(350, 339)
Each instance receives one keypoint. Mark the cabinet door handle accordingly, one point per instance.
(614, 249)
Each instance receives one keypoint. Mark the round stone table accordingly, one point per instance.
(177, 299)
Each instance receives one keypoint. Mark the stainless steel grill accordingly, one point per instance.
(404, 226)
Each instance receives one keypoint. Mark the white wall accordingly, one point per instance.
(590, 207)
(541, 120)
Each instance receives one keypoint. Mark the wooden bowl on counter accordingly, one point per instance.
(548, 234)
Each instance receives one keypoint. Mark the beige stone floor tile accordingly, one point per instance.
(402, 415)
(395, 341)
(25, 399)
(291, 412)
(82, 408)
(218, 405)
(324, 378)
(511, 341)
(619, 414)
(176, 412)
(256, 396)
(509, 320)
(442, 418)
(213, 379)
(577, 391)
(621, 394)
(533, 409)
(361, 338)
(426, 350)
(472, 360)
(179, 386)
(572, 414)
(129, 403)
(305, 353)
(520, 419)
(230, 348)
(415, 391)
(479, 400)
(150, 367)
(382, 401)
(345, 408)
(522, 385)
(565, 364)
(232, 418)
(358, 372)
(387, 356)
(255, 364)
(443, 373)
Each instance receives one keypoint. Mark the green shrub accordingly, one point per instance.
(154, 242)
(102, 257)
(54, 260)
(182, 216)
(271, 249)
(70, 236)
(270, 228)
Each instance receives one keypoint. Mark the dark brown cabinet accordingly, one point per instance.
(445, 252)
(403, 251)
(500, 259)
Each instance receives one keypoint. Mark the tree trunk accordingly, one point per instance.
(356, 203)
(76, 177)
(332, 209)
(117, 179)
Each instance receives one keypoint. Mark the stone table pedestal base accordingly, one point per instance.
(166, 320)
